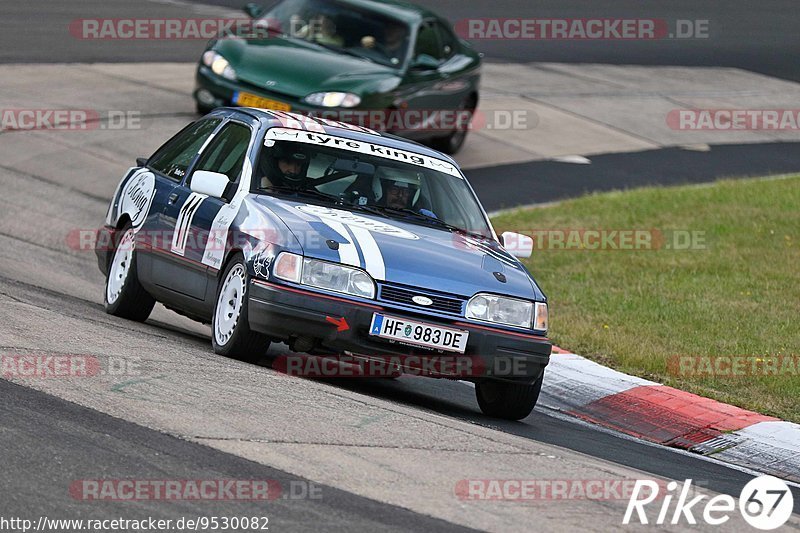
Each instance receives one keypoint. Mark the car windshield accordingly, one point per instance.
(342, 28)
(363, 182)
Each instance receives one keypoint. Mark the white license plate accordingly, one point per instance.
(418, 333)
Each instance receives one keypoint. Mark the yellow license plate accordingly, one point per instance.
(253, 100)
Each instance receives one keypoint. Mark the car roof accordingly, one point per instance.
(397, 9)
(270, 119)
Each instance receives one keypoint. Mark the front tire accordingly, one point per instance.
(510, 401)
(202, 109)
(124, 295)
(452, 142)
(231, 335)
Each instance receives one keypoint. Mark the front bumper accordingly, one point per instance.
(223, 90)
(284, 313)
(212, 91)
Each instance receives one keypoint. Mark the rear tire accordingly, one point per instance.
(231, 334)
(510, 401)
(124, 295)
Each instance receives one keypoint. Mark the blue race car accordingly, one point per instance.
(332, 238)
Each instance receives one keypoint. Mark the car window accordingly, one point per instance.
(226, 153)
(372, 182)
(447, 41)
(318, 168)
(343, 27)
(173, 159)
(428, 42)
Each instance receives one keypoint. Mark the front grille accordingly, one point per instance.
(444, 304)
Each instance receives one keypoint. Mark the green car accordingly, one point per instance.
(389, 66)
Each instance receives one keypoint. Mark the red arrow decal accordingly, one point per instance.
(340, 323)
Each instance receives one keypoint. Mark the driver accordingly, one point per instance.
(393, 44)
(400, 190)
(399, 194)
(287, 166)
(396, 189)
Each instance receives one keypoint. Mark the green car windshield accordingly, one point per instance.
(362, 182)
(342, 28)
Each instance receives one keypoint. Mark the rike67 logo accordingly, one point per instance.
(765, 503)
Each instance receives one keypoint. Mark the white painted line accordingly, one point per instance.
(779, 434)
(710, 459)
(572, 381)
(574, 159)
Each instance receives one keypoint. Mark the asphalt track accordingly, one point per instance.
(194, 427)
(49, 443)
(762, 39)
(757, 36)
(507, 186)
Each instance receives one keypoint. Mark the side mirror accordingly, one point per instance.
(253, 10)
(210, 183)
(517, 244)
(424, 62)
(141, 161)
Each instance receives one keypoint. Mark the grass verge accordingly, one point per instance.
(719, 278)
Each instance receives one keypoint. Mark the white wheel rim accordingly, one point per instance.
(229, 305)
(120, 266)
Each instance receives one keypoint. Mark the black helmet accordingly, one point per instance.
(283, 152)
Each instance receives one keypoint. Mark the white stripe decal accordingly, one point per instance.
(372, 253)
(348, 254)
(184, 222)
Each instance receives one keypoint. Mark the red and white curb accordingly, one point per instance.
(647, 410)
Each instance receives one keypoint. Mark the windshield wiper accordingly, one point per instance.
(423, 217)
(345, 51)
(308, 192)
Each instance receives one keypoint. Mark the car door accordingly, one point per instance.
(458, 71)
(193, 213)
(428, 89)
(170, 164)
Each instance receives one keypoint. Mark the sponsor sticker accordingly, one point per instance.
(361, 147)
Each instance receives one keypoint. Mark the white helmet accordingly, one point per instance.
(386, 177)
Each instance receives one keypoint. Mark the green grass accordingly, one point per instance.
(635, 309)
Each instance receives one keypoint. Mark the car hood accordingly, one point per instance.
(297, 69)
(404, 253)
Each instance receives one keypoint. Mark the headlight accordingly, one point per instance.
(333, 99)
(219, 65)
(500, 310)
(324, 275)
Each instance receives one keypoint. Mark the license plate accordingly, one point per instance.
(253, 100)
(418, 333)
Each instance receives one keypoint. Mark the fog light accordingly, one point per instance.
(205, 97)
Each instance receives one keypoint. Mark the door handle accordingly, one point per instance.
(173, 198)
